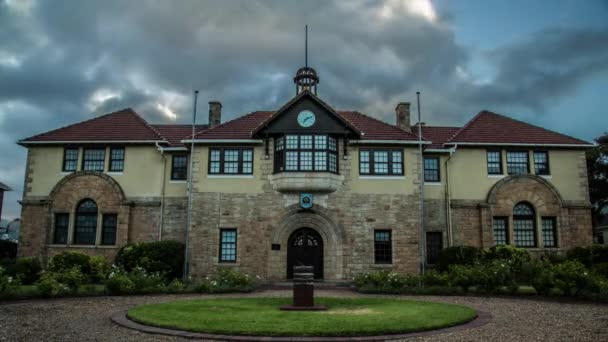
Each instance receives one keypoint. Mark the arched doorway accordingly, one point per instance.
(305, 248)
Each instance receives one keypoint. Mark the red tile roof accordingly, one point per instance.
(374, 129)
(491, 128)
(243, 127)
(175, 133)
(239, 128)
(126, 125)
(438, 135)
(122, 125)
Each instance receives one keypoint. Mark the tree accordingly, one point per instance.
(597, 171)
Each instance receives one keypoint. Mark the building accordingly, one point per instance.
(3, 188)
(304, 184)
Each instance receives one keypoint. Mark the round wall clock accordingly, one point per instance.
(306, 118)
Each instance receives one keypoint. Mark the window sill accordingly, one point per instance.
(82, 246)
(433, 183)
(114, 173)
(382, 266)
(496, 176)
(227, 264)
(231, 176)
(66, 172)
(382, 177)
(178, 181)
(546, 176)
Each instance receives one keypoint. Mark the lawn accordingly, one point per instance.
(262, 317)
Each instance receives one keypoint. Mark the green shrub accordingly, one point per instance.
(8, 283)
(571, 277)
(146, 282)
(435, 278)
(119, 284)
(589, 256)
(227, 280)
(493, 275)
(176, 286)
(463, 276)
(99, 269)
(516, 256)
(600, 269)
(386, 282)
(72, 278)
(458, 255)
(68, 260)
(166, 257)
(50, 286)
(28, 270)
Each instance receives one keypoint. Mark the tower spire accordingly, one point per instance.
(306, 77)
(306, 47)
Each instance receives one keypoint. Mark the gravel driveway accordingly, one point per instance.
(87, 319)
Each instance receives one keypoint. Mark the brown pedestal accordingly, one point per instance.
(303, 291)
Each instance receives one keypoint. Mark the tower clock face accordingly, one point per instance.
(306, 118)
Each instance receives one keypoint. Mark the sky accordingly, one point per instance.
(545, 62)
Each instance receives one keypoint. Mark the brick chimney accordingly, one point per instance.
(403, 116)
(215, 113)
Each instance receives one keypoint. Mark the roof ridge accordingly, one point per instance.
(80, 122)
(148, 125)
(467, 125)
(530, 124)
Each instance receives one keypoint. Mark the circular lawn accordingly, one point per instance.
(262, 317)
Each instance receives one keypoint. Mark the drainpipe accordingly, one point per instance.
(448, 196)
(162, 192)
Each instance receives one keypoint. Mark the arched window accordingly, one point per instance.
(524, 227)
(85, 227)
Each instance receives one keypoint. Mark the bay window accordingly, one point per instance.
(306, 153)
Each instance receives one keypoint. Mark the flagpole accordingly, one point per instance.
(421, 172)
(190, 189)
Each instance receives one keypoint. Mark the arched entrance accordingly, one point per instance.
(305, 248)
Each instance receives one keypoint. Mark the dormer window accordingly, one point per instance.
(306, 153)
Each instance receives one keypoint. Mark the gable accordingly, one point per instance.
(327, 121)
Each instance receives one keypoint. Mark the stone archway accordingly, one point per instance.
(101, 189)
(331, 234)
(541, 195)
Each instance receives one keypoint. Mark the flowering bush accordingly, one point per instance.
(119, 284)
(435, 278)
(137, 281)
(496, 274)
(571, 277)
(165, 257)
(385, 282)
(50, 287)
(227, 280)
(99, 269)
(94, 268)
(463, 276)
(7, 282)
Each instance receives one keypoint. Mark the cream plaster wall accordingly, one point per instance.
(141, 175)
(406, 184)
(469, 178)
(246, 184)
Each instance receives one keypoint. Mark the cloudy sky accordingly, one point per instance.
(545, 62)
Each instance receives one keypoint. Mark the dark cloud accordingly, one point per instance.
(64, 61)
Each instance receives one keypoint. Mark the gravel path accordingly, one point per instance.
(87, 319)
